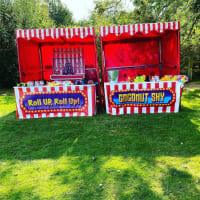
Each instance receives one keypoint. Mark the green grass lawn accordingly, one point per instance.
(141, 156)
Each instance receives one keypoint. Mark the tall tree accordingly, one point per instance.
(60, 13)
(32, 14)
(8, 58)
(16, 14)
(113, 11)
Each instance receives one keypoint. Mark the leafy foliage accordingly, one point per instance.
(60, 13)
(8, 58)
(32, 14)
(23, 14)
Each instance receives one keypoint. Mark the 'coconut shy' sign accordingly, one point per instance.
(146, 97)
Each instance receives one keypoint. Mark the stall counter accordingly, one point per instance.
(55, 101)
(143, 97)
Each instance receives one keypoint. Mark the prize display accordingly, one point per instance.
(56, 83)
(179, 78)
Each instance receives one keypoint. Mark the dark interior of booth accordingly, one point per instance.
(141, 54)
(36, 57)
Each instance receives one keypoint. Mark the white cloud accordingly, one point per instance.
(80, 8)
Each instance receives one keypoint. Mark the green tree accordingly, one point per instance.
(32, 14)
(109, 12)
(60, 13)
(8, 54)
(17, 14)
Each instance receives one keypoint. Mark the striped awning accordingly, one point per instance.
(55, 33)
(139, 28)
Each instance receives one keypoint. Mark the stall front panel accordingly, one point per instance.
(55, 101)
(152, 97)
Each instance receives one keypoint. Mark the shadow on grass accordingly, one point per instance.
(143, 137)
(146, 136)
(94, 182)
(26, 193)
(180, 185)
(192, 94)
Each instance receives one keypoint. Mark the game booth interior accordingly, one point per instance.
(141, 68)
(59, 71)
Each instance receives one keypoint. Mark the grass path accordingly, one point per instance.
(104, 157)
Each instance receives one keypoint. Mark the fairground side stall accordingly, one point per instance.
(141, 68)
(59, 73)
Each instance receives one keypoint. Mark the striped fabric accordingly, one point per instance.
(55, 33)
(88, 90)
(139, 28)
(109, 87)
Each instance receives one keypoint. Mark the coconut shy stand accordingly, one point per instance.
(140, 64)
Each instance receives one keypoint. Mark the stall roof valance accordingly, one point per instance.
(55, 33)
(144, 29)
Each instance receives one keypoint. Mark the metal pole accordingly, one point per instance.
(160, 59)
(40, 54)
(19, 63)
(179, 52)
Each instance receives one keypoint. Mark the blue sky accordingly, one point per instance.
(81, 8)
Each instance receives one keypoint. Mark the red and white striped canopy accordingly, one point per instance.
(139, 28)
(55, 33)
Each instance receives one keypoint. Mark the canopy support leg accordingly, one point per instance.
(40, 54)
(160, 58)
